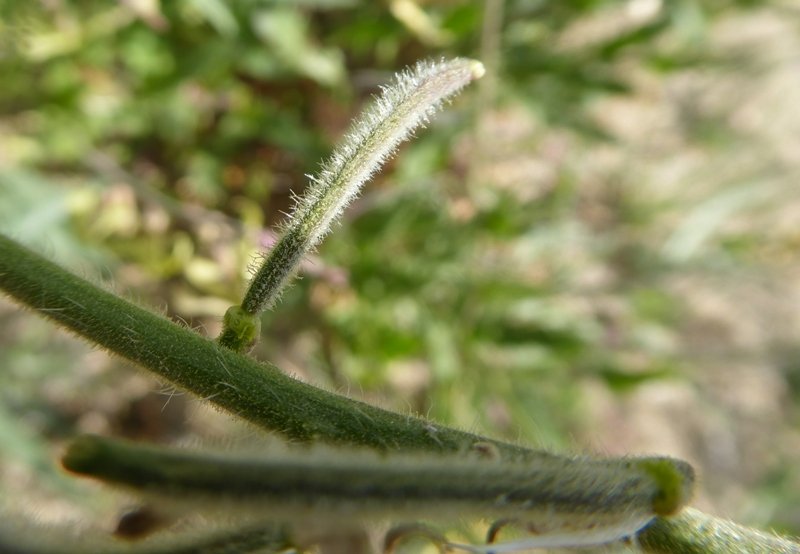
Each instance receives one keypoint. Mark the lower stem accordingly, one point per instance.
(693, 532)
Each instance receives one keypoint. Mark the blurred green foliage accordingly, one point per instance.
(164, 139)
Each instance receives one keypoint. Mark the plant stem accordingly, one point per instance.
(693, 532)
(259, 393)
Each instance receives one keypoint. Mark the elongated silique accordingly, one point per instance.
(568, 501)
(404, 105)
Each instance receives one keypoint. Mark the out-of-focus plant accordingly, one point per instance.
(564, 501)
(189, 117)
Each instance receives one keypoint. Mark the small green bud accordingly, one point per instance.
(241, 329)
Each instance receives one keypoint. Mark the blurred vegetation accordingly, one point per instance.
(595, 250)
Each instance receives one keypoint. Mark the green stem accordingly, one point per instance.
(257, 392)
(261, 394)
(693, 532)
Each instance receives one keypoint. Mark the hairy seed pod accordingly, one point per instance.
(564, 501)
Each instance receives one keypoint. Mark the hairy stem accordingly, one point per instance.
(693, 532)
(259, 393)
